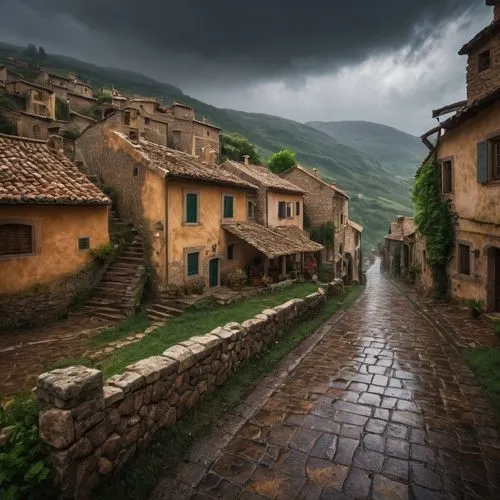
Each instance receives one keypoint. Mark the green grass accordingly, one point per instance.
(485, 363)
(137, 479)
(129, 326)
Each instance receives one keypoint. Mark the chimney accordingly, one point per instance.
(247, 160)
(496, 8)
(204, 119)
(55, 142)
(315, 172)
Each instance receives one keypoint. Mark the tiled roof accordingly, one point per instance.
(333, 187)
(484, 35)
(177, 164)
(355, 226)
(402, 227)
(31, 172)
(273, 242)
(262, 176)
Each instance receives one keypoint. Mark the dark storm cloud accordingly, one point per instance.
(271, 37)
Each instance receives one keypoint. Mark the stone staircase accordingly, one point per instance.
(166, 307)
(119, 291)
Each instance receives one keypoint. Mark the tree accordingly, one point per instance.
(31, 52)
(282, 160)
(42, 55)
(235, 146)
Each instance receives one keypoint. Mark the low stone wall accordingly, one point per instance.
(94, 428)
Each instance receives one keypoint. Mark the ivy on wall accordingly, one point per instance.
(324, 234)
(435, 221)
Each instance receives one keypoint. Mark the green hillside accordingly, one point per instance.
(400, 153)
(377, 195)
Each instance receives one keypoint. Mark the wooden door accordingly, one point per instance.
(213, 272)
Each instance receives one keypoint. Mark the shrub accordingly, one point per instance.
(325, 273)
(24, 469)
(475, 307)
(102, 252)
(236, 278)
(195, 286)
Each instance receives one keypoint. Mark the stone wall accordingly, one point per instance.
(94, 428)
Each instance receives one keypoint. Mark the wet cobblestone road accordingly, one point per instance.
(382, 407)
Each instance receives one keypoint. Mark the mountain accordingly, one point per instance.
(400, 153)
(377, 193)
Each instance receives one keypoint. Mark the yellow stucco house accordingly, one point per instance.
(50, 216)
(468, 153)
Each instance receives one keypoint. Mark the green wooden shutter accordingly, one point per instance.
(192, 263)
(228, 207)
(482, 162)
(191, 207)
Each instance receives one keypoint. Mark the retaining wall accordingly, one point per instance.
(94, 428)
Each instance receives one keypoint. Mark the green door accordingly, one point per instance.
(214, 272)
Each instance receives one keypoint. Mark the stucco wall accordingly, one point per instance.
(56, 233)
(273, 198)
(207, 237)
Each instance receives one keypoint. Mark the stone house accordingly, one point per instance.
(178, 202)
(39, 100)
(7, 75)
(275, 225)
(398, 256)
(468, 154)
(353, 254)
(324, 203)
(50, 216)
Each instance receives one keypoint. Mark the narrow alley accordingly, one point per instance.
(382, 407)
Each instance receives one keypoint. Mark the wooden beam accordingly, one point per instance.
(450, 108)
(425, 139)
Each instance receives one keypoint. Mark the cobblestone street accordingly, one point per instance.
(378, 404)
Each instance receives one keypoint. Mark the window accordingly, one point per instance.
(341, 219)
(147, 121)
(463, 259)
(297, 208)
(16, 239)
(446, 181)
(135, 172)
(83, 243)
(133, 136)
(126, 118)
(193, 263)
(488, 161)
(230, 252)
(191, 208)
(281, 210)
(228, 207)
(289, 210)
(208, 133)
(483, 60)
(250, 209)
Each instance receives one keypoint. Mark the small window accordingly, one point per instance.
(126, 118)
(191, 208)
(250, 209)
(289, 210)
(281, 209)
(446, 168)
(228, 207)
(193, 260)
(16, 239)
(230, 252)
(341, 219)
(147, 121)
(133, 135)
(83, 243)
(483, 60)
(135, 172)
(463, 259)
(297, 208)
(208, 133)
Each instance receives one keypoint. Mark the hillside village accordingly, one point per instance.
(180, 321)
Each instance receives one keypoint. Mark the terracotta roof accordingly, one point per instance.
(472, 110)
(355, 226)
(31, 172)
(484, 35)
(333, 187)
(262, 176)
(273, 242)
(172, 163)
(403, 226)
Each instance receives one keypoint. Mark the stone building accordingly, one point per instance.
(275, 224)
(50, 216)
(468, 154)
(324, 203)
(7, 75)
(39, 100)
(353, 254)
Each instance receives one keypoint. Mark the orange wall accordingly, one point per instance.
(272, 209)
(205, 235)
(56, 232)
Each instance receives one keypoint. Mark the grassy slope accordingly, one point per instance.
(377, 195)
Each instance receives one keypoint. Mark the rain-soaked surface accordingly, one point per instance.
(382, 407)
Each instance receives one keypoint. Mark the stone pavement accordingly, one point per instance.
(24, 354)
(377, 404)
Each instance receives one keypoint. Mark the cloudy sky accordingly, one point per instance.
(389, 61)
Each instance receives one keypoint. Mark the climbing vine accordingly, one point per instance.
(435, 222)
(324, 234)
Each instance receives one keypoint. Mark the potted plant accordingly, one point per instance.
(475, 308)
